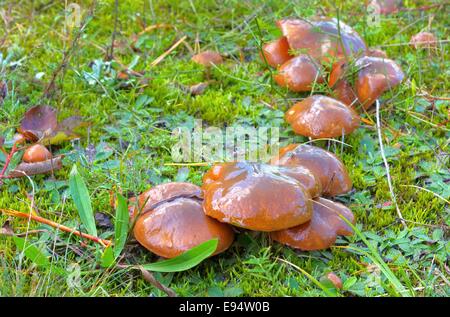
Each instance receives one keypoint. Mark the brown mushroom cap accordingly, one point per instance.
(386, 6)
(376, 53)
(321, 232)
(276, 52)
(207, 58)
(423, 40)
(299, 73)
(173, 221)
(36, 153)
(320, 38)
(376, 75)
(322, 117)
(179, 225)
(255, 196)
(342, 89)
(326, 166)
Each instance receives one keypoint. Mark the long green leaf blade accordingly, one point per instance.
(32, 252)
(187, 260)
(121, 225)
(80, 195)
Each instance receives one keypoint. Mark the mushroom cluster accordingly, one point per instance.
(282, 197)
(358, 75)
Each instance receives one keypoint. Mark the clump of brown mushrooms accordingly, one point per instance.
(283, 198)
(171, 221)
(374, 76)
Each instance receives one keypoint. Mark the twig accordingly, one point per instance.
(8, 161)
(163, 55)
(386, 165)
(28, 169)
(110, 56)
(67, 55)
(152, 280)
(53, 224)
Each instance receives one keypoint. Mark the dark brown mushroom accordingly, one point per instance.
(321, 232)
(36, 153)
(423, 40)
(276, 52)
(256, 196)
(173, 221)
(376, 53)
(207, 58)
(322, 117)
(376, 76)
(326, 166)
(299, 74)
(323, 39)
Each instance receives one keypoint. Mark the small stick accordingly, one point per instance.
(28, 169)
(53, 224)
(163, 55)
(386, 165)
(8, 160)
(152, 280)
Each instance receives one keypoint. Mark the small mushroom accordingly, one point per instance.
(36, 153)
(326, 166)
(342, 89)
(276, 52)
(256, 196)
(423, 40)
(385, 6)
(322, 117)
(376, 53)
(376, 76)
(207, 58)
(322, 38)
(321, 232)
(299, 74)
(177, 223)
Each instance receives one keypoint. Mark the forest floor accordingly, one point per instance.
(127, 145)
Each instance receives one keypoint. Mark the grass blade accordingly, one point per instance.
(121, 225)
(80, 195)
(187, 260)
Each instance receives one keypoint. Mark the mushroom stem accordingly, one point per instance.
(386, 165)
(53, 224)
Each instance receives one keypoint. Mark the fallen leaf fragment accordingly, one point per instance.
(29, 169)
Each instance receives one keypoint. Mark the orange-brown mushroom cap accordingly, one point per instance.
(376, 75)
(423, 40)
(326, 166)
(207, 58)
(173, 221)
(179, 225)
(299, 74)
(164, 192)
(321, 232)
(322, 117)
(342, 89)
(36, 153)
(385, 6)
(276, 52)
(255, 196)
(322, 38)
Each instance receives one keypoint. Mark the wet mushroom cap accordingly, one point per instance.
(320, 38)
(423, 40)
(322, 117)
(207, 58)
(276, 52)
(255, 196)
(299, 74)
(165, 192)
(36, 153)
(321, 232)
(179, 225)
(326, 166)
(376, 53)
(342, 89)
(375, 76)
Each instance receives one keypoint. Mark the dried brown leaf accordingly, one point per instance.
(38, 122)
(28, 169)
